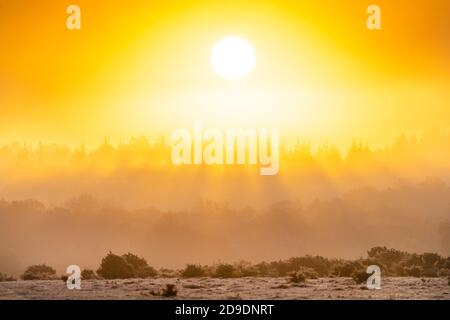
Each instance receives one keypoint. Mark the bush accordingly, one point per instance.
(444, 272)
(413, 271)
(413, 260)
(282, 268)
(140, 267)
(430, 259)
(193, 271)
(309, 273)
(386, 256)
(115, 267)
(346, 268)
(245, 269)
(297, 277)
(124, 267)
(319, 264)
(39, 272)
(430, 273)
(263, 269)
(360, 276)
(224, 271)
(5, 278)
(88, 274)
(169, 291)
(447, 263)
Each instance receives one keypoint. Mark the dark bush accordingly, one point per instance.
(360, 276)
(413, 271)
(447, 263)
(169, 291)
(140, 267)
(124, 267)
(430, 273)
(387, 257)
(444, 272)
(309, 273)
(412, 260)
(346, 268)
(6, 278)
(245, 269)
(297, 277)
(115, 267)
(430, 260)
(88, 274)
(263, 269)
(282, 268)
(399, 271)
(193, 271)
(39, 272)
(224, 271)
(320, 265)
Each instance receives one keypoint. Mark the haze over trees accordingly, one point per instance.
(409, 217)
(62, 204)
(136, 173)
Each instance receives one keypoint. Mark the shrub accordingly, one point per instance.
(245, 269)
(263, 269)
(169, 291)
(319, 264)
(224, 271)
(399, 271)
(413, 271)
(346, 268)
(193, 271)
(124, 267)
(115, 267)
(309, 273)
(88, 274)
(302, 274)
(282, 268)
(430, 259)
(413, 260)
(386, 256)
(444, 272)
(140, 267)
(430, 273)
(39, 272)
(4, 278)
(360, 276)
(447, 263)
(297, 277)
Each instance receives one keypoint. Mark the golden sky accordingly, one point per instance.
(143, 68)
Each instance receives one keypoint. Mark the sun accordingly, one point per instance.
(233, 58)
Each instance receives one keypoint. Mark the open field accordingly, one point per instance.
(237, 288)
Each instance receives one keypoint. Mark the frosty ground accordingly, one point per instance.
(235, 288)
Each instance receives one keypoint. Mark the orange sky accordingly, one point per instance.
(142, 67)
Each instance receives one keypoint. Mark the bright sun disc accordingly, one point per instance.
(233, 58)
